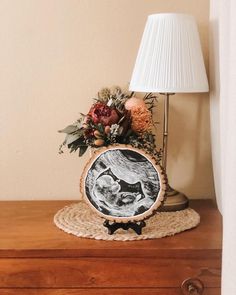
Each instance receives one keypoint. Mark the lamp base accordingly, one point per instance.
(174, 201)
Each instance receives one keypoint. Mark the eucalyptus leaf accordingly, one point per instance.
(100, 128)
(77, 143)
(72, 137)
(69, 129)
(82, 150)
(74, 148)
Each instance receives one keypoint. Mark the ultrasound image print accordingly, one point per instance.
(122, 183)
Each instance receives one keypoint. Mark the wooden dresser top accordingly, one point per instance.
(27, 230)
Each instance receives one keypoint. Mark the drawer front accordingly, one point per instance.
(169, 291)
(106, 272)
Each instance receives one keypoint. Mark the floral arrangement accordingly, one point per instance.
(116, 116)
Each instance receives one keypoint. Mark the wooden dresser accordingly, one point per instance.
(37, 258)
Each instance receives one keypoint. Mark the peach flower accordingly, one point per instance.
(133, 102)
(141, 118)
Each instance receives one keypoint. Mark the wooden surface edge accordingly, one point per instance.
(110, 253)
(103, 291)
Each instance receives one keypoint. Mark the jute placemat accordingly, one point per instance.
(78, 219)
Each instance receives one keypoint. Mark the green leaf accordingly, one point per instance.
(77, 142)
(69, 129)
(74, 148)
(72, 137)
(128, 133)
(82, 150)
(100, 128)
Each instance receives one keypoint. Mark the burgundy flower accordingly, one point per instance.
(101, 113)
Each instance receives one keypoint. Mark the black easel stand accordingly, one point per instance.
(136, 226)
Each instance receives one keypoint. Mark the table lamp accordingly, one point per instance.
(170, 61)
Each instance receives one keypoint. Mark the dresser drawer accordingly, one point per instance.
(106, 272)
(164, 291)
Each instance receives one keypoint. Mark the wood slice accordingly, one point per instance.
(123, 184)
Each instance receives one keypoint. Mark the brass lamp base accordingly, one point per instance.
(174, 201)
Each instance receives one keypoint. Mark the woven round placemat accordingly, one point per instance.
(78, 219)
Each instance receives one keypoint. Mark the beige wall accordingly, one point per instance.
(54, 56)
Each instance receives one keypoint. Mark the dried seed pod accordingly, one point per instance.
(107, 129)
(97, 134)
(99, 142)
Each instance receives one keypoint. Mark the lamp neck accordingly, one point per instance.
(165, 129)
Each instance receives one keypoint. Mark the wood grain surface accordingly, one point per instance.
(106, 272)
(27, 230)
(143, 291)
(38, 258)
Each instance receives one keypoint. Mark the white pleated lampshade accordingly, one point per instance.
(170, 58)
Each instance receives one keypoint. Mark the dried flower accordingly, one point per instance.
(88, 133)
(116, 90)
(115, 129)
(101, 113)
(114, 133)
(141, 119)
(133, 102)
(104, 94)
(115, 117)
